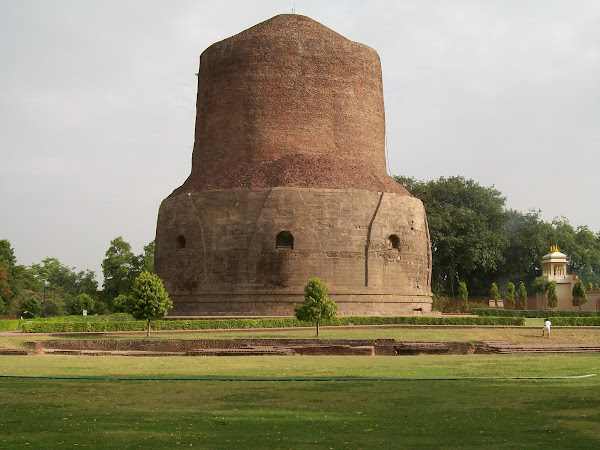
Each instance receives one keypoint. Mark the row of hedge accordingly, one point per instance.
(117, 317)
(10, 325)
(576, 321)
(532, 313)
(38, 326)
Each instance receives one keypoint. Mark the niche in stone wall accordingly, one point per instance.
(180, 242)
(393, 242)
(284, 239)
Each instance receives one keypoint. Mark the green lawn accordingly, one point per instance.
(505, 413)
(45, 413)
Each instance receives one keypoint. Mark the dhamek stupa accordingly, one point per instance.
(289, 182)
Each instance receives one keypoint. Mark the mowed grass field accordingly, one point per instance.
(419, 412)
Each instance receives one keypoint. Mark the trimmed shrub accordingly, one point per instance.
(10, 325)
(577, 321)
(120, 317)
(39, 326)
(532, 313)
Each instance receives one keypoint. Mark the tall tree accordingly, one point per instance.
(521, 296)
(529, 238)
(467, 229)
(5, 290)
(552, 295)
(494, 293)
(53, 280)
(7, 254)
(579, 296)
(86, 283)
(510, 295)
(120, 267)
(582, 248)
(541, 286)
(147, 258)
(12, 274)
(463, 296)
(52, 272)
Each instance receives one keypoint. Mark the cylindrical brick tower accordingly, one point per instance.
(289, 182)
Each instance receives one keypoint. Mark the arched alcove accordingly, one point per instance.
(284, 239)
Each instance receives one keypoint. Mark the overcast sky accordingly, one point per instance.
(97, 105)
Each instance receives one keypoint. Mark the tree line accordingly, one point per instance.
(50, 288)
(476, 240)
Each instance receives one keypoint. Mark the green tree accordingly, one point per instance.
(590, 286)
(82, 302)
(5, 290)
(579, 297)
(121, 303)
(147, 258)
(467, 229)
(56, 274)
(52, 279)
(149, 298)
(11, 280)
(50, 308)
(510, 295)
(528, 241)
(463, 296)
(541, 286)
(552, 295)
(30, 308)
(120, 268)
(582, 248)
(521, 296)
(316, 307)
(85, 283)
(495, 294)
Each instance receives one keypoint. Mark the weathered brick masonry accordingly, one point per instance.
(289, 182)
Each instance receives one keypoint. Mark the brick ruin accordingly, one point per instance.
(289, 182)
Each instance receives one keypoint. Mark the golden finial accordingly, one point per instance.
(554, 248)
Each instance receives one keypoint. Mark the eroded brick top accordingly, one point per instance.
(289, 102)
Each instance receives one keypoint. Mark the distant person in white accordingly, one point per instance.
(546, 328)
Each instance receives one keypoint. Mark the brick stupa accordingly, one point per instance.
(289, 182)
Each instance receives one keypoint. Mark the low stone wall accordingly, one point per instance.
(364, 347)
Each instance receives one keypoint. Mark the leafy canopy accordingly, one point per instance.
(149, 298)
(82, 302)
(316, 307)
(467, 229)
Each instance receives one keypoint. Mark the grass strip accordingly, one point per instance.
(560, 377)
